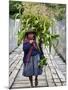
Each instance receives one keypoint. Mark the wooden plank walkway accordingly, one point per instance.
(54, 74)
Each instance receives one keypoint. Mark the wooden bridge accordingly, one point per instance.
(54, 74)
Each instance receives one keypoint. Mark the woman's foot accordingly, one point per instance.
(36, 81)
(32, 85)
(31, 81)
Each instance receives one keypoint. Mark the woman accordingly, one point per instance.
(31, 58)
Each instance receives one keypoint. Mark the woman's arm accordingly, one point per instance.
(26, 46)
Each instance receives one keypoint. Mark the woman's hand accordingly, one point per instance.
(31, 41)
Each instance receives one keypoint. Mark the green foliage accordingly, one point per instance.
(42, 62)
(39, 21)
(20, 36)
(38, 17)
(57, 10)
(36, 23)
(40, 24)
(15, 8)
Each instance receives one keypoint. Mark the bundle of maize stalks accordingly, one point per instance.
(42, 62)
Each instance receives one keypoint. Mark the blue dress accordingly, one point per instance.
(31, 68)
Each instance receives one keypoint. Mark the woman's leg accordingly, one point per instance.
(36, 80)
(31, 80)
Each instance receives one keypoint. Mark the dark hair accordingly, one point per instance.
(33, 36)
(30, 31)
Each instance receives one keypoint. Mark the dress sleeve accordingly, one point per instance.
(26, 46)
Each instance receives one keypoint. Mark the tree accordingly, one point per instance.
(15, 8)
(57, 10)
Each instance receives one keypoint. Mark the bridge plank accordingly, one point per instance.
(54, 74)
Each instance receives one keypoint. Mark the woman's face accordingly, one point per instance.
(30, 36)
